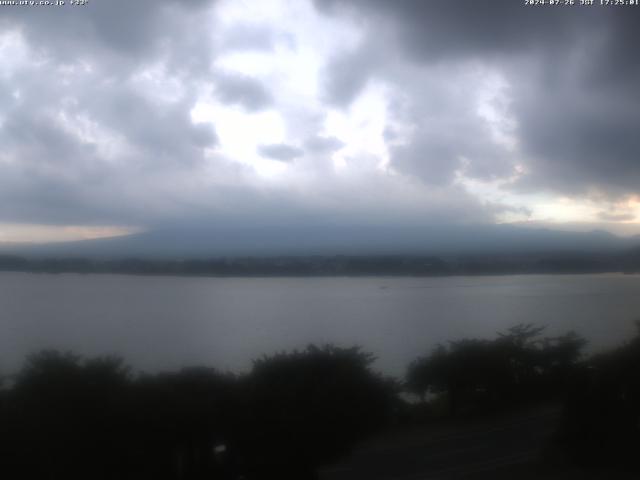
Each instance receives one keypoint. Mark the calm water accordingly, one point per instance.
(167, 322)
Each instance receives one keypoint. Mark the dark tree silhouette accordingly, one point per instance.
(482, 374)
(309, 407)
(182, 418)
(64, 416)
(67, 417)
(601, 422)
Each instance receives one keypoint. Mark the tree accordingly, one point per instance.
(65, 415)
(601, 420)
(516, 366)
(309, 407)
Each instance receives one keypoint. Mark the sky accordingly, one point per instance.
(118, 117)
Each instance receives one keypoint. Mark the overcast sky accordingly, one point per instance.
(123, 115)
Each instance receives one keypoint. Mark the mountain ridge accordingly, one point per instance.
(205, 242)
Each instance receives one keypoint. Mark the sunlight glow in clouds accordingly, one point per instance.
(292, 71)
(361, 127)
(17, 233)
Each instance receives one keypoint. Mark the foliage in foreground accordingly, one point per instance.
(601, 422)
(65, 417)
(517, 366)
(68, 418)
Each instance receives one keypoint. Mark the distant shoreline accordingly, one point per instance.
(334, 266)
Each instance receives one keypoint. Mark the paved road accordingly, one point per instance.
(477, 450)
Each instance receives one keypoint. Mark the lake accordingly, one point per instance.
(167, 322)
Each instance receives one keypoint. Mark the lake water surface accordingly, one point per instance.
(168, 322)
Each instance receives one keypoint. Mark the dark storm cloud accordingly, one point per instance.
(442, 29)
(236, 89)
(280, 151)
(579, 136)
(573, 74)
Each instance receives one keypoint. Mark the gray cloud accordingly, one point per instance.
(107, 28)
(323, 145)
(578, 136)
(93, 146)
(96, 123)
(96, 128)
(347, 74)
(448, 135)
(280, 151)
(255, 37)
(616, 217)
(435, 162)
(235, 89)
(441, 30)
(573, 81)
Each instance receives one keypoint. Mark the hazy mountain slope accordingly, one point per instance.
(255, 241)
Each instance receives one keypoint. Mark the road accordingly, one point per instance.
(504, 447)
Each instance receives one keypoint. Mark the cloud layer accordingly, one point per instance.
(149, 113)
(570, 76)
